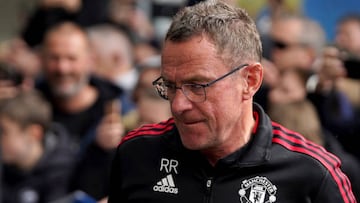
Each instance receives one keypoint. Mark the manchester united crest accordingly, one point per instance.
(257, 190)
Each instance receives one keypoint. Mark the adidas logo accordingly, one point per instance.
(166, 185)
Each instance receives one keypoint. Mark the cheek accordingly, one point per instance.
(12, 147)
(51, 67)
(282, 56)
(224, 106)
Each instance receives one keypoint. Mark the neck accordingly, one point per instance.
(83, 100)
(239, 135)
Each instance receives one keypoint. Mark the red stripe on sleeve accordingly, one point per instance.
(331, 162)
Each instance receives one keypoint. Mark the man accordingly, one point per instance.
(219, 147)
(113, 53)
(88, 107)
(347, 35)
(114, 56)
(36, 153)
(296, 42)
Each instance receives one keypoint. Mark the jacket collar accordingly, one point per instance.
(257, 151)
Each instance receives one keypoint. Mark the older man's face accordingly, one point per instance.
(67, 63)
(202, 125)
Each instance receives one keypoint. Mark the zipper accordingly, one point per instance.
(209, 185)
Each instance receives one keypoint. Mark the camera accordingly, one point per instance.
(351, 64)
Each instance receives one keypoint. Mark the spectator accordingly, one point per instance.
(150, 107)
(347, 35)
(88, 107)
(296, 42)
(114, 56)
(37, 154)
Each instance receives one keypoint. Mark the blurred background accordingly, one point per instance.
(13, 13)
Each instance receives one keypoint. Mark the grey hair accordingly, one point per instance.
(113, 40)
(231, 29)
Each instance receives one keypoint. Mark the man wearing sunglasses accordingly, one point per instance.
(219, 146)
(296, 42)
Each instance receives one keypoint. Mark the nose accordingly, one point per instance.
(179, 103)
(61, 65)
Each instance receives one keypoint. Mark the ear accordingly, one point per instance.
(36, 132)
(253, 75)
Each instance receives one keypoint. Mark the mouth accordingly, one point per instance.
(189, 120)
(192, 122)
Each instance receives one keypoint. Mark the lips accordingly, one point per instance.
(191, 122)
(188, 120)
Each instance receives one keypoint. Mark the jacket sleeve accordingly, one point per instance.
(335, 189)
(116, 193)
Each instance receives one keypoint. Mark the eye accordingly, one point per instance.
(196, 88)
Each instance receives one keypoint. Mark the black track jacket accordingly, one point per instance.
(277, 165)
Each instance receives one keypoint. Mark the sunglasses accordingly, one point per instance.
(278, 44)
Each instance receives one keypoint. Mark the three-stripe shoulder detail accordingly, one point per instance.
(297, 143)
(150, 129)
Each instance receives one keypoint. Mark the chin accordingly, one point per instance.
(63, 93)
(66, 91)
(192, 145)
(192, 141)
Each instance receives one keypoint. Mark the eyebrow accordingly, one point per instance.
(197, 79)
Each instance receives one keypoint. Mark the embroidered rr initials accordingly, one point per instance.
(169, 165)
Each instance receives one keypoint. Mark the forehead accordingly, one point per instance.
(286, 29)
(72, 42)
(196, 57)
(349, 25)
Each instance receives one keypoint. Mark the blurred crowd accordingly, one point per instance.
(79, 76)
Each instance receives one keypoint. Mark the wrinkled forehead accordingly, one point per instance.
(197, 56)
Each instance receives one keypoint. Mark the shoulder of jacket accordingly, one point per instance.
(153, 130)
(294, 142)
